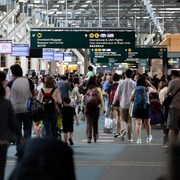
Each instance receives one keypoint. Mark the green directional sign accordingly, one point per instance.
(116, 56)
(79, 38)
(148, 53)
(108, 56)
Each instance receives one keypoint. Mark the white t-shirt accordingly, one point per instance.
(20, 93)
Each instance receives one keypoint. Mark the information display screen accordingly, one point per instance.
(68, 57)
(20, 50)
(48, 55)
(5, 47)
(58, 56)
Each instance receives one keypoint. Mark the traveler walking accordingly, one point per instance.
(162, 93)
(21, 89)
(93, 102)
(4, 82)
(115, 107)
(51, 99)
(9, 129)
(173, 121)
(64, 86)
(125, 89)
(106, 91)
(68, 115)
(141, 110)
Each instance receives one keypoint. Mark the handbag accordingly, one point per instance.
(169, 98)
(37, 110)
(108, 122)
(167, 101)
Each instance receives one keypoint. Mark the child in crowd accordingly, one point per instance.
(68, 115)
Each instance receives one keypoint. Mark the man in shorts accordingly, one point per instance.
(173, 121)
(125, 89)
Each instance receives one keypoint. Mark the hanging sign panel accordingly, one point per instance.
(82, 38)
(100, 55)
(149, 53)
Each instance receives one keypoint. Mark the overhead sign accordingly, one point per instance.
(47, 55)
(106, 56)
(20, 50)
(148, 53)
(82, 38)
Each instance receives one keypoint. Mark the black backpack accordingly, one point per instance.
(48, 101)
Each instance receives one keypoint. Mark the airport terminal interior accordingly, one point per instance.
(60, 37)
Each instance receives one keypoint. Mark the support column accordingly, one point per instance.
(35, 64)
(10, 60)
(24, 65)
(86, 61)
(53, 67)
(61, 69)
(44, 65)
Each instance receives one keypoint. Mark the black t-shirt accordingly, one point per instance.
(68, 113)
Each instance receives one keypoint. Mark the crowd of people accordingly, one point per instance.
(130, 97)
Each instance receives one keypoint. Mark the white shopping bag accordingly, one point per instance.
(108, 125)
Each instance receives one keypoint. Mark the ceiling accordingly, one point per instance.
(117, 13)
(157, 17)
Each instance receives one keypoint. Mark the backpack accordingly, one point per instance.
(112, 93)
(92, 98)
(140, 97)
(48, 101)
(37, 110)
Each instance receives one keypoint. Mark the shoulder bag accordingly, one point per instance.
(169, 98)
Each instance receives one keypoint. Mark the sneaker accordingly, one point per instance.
(149, 139)
(138, 141)
(123, 134)
(130, 140)
(116, 135)
(89, 140)
(70, 141)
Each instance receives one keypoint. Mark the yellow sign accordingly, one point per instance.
(96, 35)
(39, 35)
(91, 35)
(70, 67)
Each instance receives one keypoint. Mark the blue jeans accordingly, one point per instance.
(106, 102)
(50, 122)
